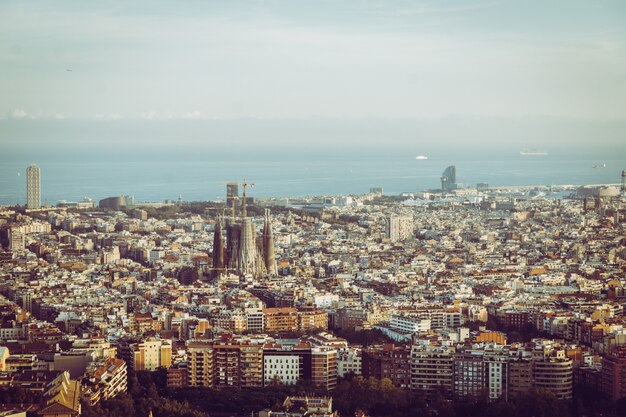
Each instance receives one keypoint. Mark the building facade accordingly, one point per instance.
(33, 187)
(399, 228)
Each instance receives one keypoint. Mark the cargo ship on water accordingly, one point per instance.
(532, 152)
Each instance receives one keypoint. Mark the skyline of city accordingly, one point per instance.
(470, 294)
(231, 197)
(278, 208)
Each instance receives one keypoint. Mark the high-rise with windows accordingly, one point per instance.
(33, 187)
(399, 228)
(448, 179)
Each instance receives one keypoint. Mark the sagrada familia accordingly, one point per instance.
(242, 251)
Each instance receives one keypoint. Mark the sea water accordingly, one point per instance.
(287, 176)
(169, 166)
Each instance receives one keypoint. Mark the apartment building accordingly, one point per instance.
(280, 319)
(432, 369)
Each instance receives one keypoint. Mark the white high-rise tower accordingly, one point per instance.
(33, 187)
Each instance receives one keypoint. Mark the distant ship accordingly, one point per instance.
(421, 157)
(532, 152)
(599, 166)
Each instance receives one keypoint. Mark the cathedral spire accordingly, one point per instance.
(218, 250)
(268, 246)
(247, 248)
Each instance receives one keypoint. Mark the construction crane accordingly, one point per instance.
(234, 199)
(244, 184)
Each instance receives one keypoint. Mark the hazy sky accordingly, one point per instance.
(313, 59)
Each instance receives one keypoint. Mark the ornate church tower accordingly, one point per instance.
(218, 250)
(268, 246)
(247, 248)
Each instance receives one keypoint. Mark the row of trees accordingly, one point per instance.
(147, 392)
(363, 337)
(12, 395)
(143, 396)
(380, 398)
(377, 398)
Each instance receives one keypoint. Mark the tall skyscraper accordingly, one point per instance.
(33, 187)
(448, 179)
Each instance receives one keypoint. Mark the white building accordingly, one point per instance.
(156, 254)
(254, 320)
(349, 361)
(152, 354)
(110, 256)
(399, 228)
(284, 369)
(409, 324)
(325, 300)
(497, 367)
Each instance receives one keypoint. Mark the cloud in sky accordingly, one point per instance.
(193, 115)
(282, 59)
(19, 114)
(150, 115)
(23, 114)
(110, 116)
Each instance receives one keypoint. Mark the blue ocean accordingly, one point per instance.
(288, 177)
(169, 167)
